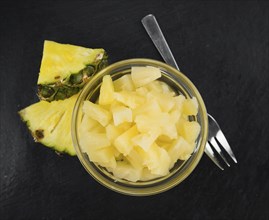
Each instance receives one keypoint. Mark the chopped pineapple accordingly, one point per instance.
(145, 140)
(96, 112)
(130, 99)
(190, 106)
(123, 143)
(106, 96)
(121, 114)
(136, 157)
(148, 175)
(124, 83)
(190, 130)
(94, 141)
(157, 160)
(89, 124)
(144, 122)
(165, 101)
(180, 149)
(126, 171)
(143, 75)
(112, 132)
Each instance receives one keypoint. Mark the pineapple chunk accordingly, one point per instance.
(106, 96)
(98, 148)
(144, 75)
(160, 87)
(180, 149)
(121, 114)
(96, 112)
(93, 141)
(165, 101)
(89, 124)
(124, 83)
(190, 130)
(126, 171)
(136, 157)
(141, 91)
(123, 143)
(148, 175)
(150, 107)
(190, 106)
(130, 99)
(103, 157)
(157, 160)
(112, 132)
(145, 140)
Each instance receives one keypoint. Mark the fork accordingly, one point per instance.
(216, 138)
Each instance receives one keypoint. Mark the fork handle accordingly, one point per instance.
(154, 31)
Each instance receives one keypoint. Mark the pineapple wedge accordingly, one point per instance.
(66, 68)
(50, 123)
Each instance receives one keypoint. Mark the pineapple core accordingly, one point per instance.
(139, 128)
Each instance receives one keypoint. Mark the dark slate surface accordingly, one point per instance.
(222, 47)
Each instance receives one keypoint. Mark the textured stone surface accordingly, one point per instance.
(222, 47)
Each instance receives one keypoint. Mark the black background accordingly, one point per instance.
(221, 46)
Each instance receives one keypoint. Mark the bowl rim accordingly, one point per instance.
(174, 181)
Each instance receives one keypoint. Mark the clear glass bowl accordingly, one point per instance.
(180, 83)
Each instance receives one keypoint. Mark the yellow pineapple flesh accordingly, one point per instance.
(50, 123)
(146, 127)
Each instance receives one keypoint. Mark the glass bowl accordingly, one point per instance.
(181, 84)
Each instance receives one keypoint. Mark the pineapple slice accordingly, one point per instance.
(141, 76)
(106, 96)
(50, 123)
(96, 112)
(66, 68)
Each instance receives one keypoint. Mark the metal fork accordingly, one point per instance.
(216, 138)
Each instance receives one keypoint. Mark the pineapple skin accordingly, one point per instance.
(50, 123)
(66, 68)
